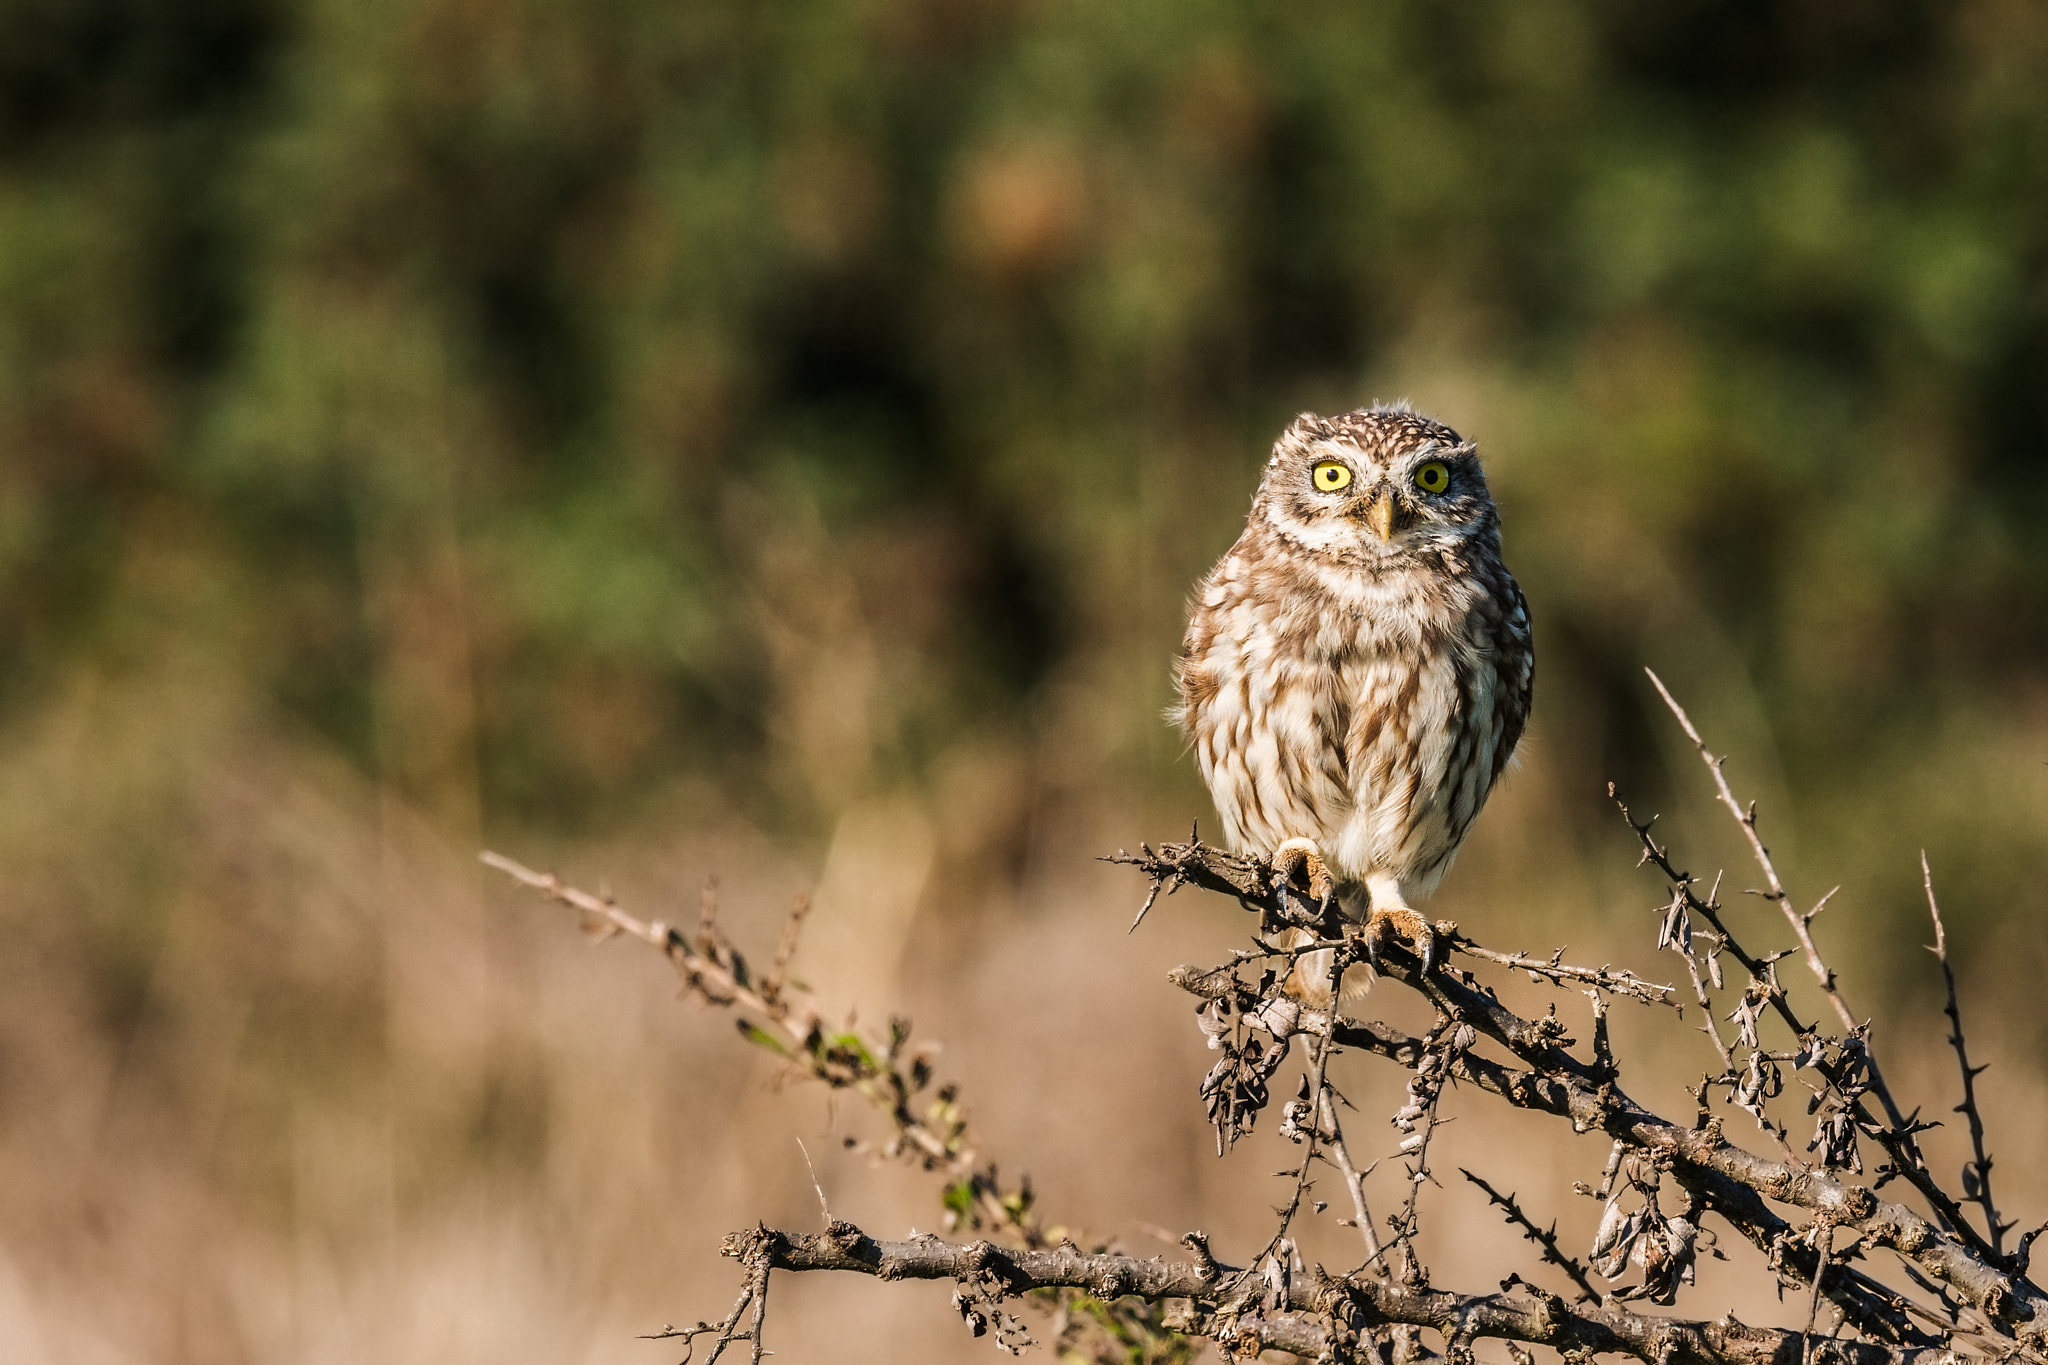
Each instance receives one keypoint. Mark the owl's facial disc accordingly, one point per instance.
(1373, 487)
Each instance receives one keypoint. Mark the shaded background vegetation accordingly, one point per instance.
(776, 440)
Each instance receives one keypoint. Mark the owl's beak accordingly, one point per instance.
(1379, 515)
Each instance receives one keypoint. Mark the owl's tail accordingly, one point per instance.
(1308, 980)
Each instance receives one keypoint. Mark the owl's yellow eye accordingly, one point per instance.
(1331, 476)
(1433, 477)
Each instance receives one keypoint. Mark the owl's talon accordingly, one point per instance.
(1404, 923)
(1297, 856)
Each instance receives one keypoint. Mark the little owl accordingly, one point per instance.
(1357, 668)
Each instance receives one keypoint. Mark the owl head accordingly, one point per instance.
(1375, 485)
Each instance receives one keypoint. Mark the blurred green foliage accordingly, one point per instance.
(575, 415)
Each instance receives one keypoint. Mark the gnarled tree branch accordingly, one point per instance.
(1321, 1316)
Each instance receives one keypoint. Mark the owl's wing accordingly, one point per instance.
(1514, 662)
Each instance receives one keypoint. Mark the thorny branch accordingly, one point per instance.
(888, 1072)
(1897, 1133)
(1302, 1122)
(1322, 1316)
(1554, 970)
(1544, 1238)
(1969, 1299)
(1737, 1184)
(1733, 1182)
(1976, 1175)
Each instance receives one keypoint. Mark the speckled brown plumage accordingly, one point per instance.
(1357, 669)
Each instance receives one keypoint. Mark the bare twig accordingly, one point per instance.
(1976, 1175)
(1823, 1241)
(1354, 1179)
(884, 1072)
(1745, 818)
(1417, 1122)
(1544, 1238)
(1687, 902)
(1554, 970)
(727, 1332)
(785, 948)
(1304, 1120)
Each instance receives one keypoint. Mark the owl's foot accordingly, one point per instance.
(1405, 922)
(1300, 858)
